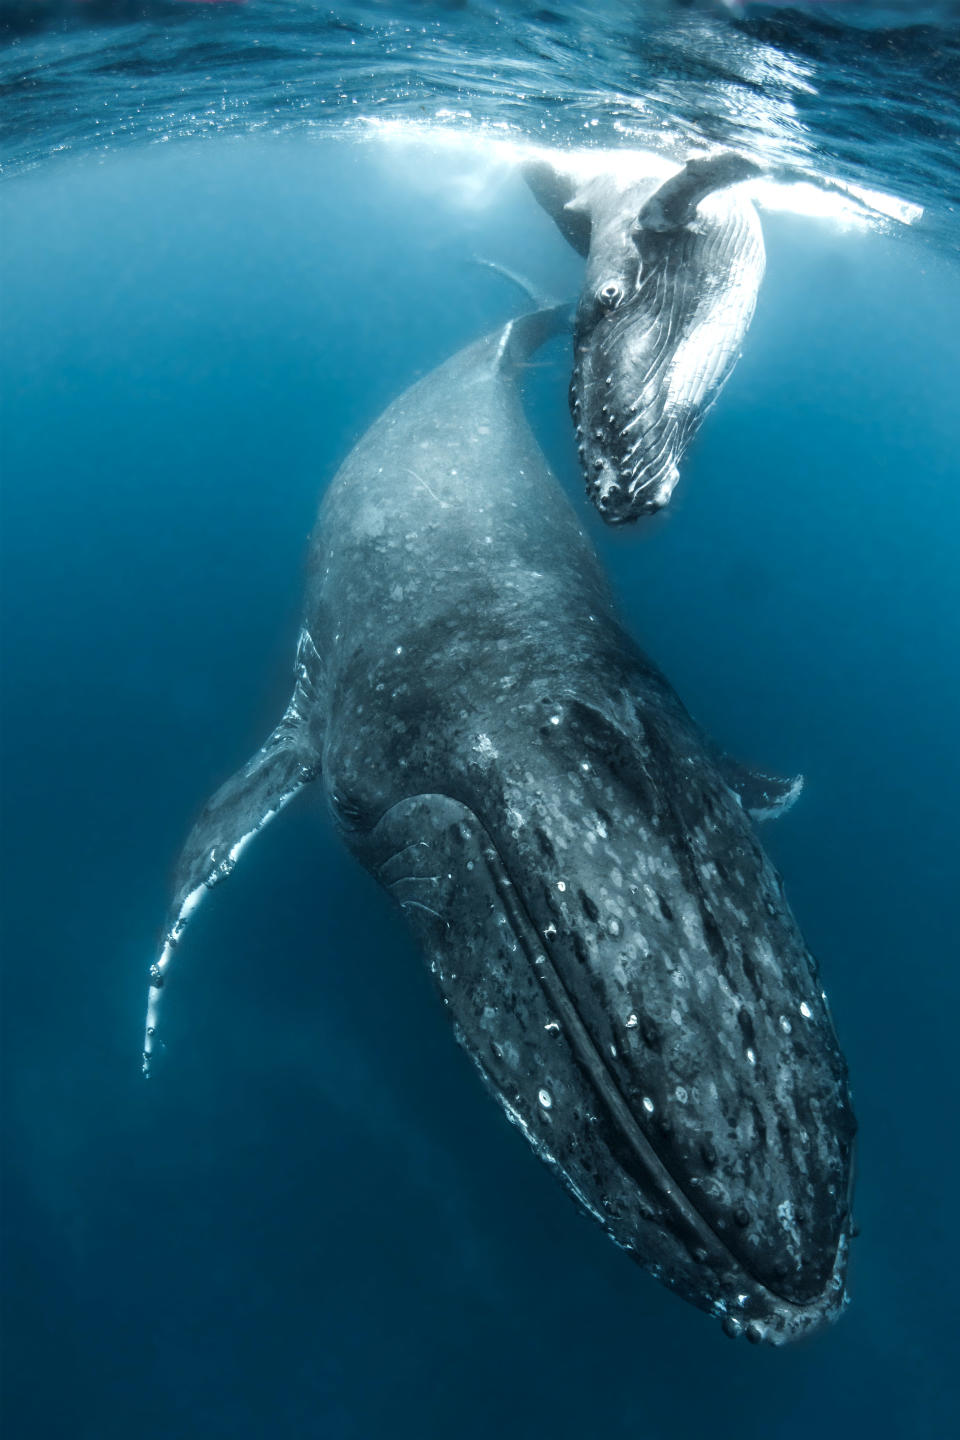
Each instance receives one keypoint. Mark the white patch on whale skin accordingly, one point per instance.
(237, 849)
(485, 749)
(787, 1220)
(515, 819)
(190, 904)
(371, 521)
(504, 341)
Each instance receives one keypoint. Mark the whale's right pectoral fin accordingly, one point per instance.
(762, 795)
(232, 816)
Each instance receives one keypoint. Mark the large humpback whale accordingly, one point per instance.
(576, 858)
(674, 263)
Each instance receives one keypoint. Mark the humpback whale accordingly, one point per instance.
(576, 858)
(674, 263)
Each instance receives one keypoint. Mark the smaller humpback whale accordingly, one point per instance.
(673, 269)
(576, 858)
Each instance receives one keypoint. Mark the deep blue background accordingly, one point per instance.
(313, 1222)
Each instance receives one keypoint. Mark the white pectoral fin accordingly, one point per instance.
(232, 816)
(763, 796)
(675, 203)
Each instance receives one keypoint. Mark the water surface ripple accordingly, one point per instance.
(873, 102)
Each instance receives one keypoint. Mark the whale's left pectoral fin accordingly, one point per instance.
(232, 816)
(763, 796)
(556, 189)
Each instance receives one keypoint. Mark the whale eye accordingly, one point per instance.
(610, 295)
(347, 809)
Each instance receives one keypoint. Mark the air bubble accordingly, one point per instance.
(545, 1098)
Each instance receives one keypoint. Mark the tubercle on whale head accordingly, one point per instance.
(628, 441)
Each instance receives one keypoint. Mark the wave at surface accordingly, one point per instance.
(872, 101)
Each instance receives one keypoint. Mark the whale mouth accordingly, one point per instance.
(622, 494)
(505, 983)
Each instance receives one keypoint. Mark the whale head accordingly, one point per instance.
(631, 430)
(673, 269)
(618, 959)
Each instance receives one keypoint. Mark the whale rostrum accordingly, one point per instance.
(578, 861)
(674, 264)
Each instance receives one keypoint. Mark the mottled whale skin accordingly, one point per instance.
(611, 943)
(674, 264)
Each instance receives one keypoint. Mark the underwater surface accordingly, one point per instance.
(312, 1222)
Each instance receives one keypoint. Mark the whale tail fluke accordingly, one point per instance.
(233, 815)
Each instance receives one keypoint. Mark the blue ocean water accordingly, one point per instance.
(313, 1222)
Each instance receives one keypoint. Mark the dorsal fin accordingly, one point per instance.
(519, 338)
(527, 288)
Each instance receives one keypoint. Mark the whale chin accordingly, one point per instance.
(622, 495)
(630, 440)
